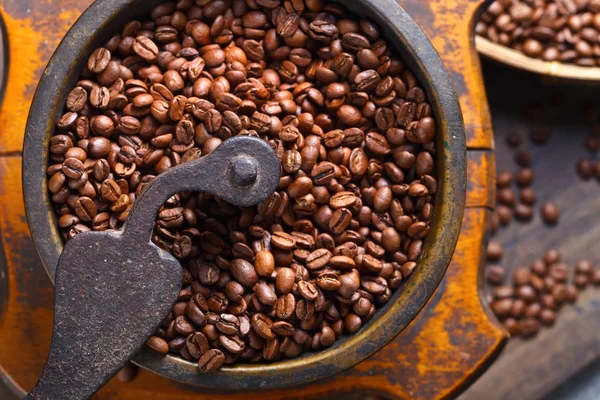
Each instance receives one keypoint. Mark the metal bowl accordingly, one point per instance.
(103, 18)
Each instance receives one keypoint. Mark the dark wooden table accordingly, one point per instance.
(530, 369)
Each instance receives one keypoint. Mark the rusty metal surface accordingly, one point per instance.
(98, 22)
(113, 289)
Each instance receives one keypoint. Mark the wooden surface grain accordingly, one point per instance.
(451, 342)
(530, 369)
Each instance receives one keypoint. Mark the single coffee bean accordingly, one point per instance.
(283, 241)
(523, 212)
(552, 256)
(506, 196)
(547, 316)
(73, 168)
(262, 325)
(264, 263)
(211, 361)
(571, 293)
(585, 168)
(550, 213)
(525, 176)
(158, 344)
(85, 208)
(243, 271)
(581, 281)
(495, 274)
(528, 196)
(529, 327)
(502, 307)
(99, 60)
(504, 179)
(494, 251)
(521, 276)
(523, 158)
(584, 267)
(284, 281)
(559, 272)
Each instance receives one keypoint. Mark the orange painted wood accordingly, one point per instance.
(482, 193)
(443, 350)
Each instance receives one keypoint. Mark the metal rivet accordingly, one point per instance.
(244, 171)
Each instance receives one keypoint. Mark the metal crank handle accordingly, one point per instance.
(113, 289)
(243, 171)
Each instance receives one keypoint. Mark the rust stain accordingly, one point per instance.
(24, 61)
(34, 31)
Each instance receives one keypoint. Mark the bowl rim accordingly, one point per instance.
(518, 60)
(417, 52)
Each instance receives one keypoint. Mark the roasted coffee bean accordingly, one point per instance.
(523, 158)
(495, 274)
(559, 271)
(99, 60)
(494, 251)
(85, 208)
(525, 176)
(262, 325)
(284, 282)
(158, 344)
(550, 213)
(529, 327)
(584, 267)
(286, 306)
(528, 196)
(352, 128)
(585, 168)
(552, 256)
(211, 361)
(318, 259)
(504, 179)
(523, 212)
(243, 272)
(502, 307)
(264, 263)
(307, 290)
(521, 276)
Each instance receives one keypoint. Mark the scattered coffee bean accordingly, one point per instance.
(523, 158)
(591, 143)
(504, 179)
(525, 177)
(550, 212)
(504, 214)
(495, 274)
(539, 135)
(528, 196)
(523, 212)
(513, 140)
(585, 168)
(494, 251)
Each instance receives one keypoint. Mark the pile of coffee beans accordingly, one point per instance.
(567, 31)
(537, 292)
(349, 122)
